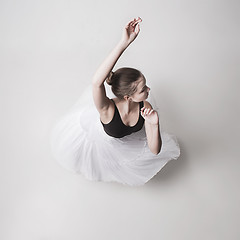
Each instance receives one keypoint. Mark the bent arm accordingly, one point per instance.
(99, 95)
(130, 32)
(153, 137)
(107, 65)
(152, 128)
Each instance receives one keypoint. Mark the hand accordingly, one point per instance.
(131, 31)
(150, 115)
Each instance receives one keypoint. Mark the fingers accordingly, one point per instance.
(134, 22)
(129, 23)
(137, 29)
(146, 111)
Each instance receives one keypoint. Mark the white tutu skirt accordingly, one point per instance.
(80, 144)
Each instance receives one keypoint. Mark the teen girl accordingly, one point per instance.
(116, 137)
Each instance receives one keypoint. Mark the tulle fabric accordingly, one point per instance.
(79, 144)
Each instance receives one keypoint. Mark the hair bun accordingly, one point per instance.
(109, 79)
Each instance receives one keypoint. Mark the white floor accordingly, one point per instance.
(189, 52)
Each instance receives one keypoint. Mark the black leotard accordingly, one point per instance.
(116, 128)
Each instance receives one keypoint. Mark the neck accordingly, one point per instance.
(128, 106)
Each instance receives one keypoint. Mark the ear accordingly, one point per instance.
(127, 98)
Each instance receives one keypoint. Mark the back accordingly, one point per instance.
(116, 128)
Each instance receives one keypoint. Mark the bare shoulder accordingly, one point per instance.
(106, 114)
(147, 104)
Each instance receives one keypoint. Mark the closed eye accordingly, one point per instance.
(143, 88)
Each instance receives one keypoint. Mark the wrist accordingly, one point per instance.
(122, 44)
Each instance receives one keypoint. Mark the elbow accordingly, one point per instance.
(157, 150)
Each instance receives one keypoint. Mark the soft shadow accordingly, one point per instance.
(173, 170)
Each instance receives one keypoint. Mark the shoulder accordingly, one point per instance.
(107, 113)
(147, 104)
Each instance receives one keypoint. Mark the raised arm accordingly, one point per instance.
(130, 32)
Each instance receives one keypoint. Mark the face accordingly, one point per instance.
(142, 91)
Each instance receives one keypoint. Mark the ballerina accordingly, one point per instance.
(129, 85)
(114, 136)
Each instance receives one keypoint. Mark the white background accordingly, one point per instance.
(189, 53)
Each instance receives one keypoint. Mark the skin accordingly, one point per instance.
(128, 106)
